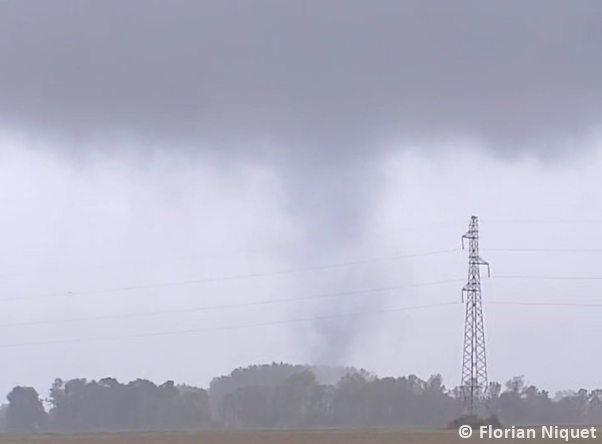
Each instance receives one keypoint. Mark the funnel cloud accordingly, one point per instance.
(320, 91)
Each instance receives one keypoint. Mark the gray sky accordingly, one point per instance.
(153, 142)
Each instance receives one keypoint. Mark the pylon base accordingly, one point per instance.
(475, 422)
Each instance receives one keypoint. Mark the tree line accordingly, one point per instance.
(282, 396)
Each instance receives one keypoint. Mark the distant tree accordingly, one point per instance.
(25, 410)
(516, 384)
(108, 405)
(494, 390)
(269, 375)
(287, 396)
(3, 410)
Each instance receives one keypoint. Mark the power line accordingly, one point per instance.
(282, 322)
(229, 278)
(226, 306)
(543, 221)
(231, 327)
(276, 301)
(234, 251)
(551, 278)
(375, 233)
(290, 271)
(543, 304)
(546, 250)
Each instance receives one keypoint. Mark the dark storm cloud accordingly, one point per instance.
(323, 81)
(320, 73)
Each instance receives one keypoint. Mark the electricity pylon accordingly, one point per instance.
(474, 362)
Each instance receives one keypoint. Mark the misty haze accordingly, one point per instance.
(268, 214)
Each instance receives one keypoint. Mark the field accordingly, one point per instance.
(274, 437)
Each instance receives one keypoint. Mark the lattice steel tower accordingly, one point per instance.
(474, 362)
